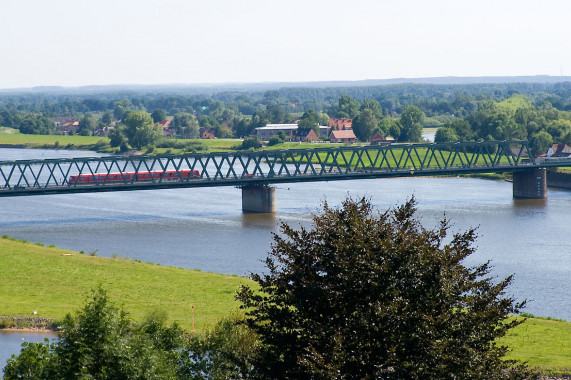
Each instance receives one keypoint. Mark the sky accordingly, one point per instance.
(101, 42)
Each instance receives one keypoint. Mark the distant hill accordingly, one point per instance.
(265, 86)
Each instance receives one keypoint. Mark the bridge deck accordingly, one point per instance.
(120, 173)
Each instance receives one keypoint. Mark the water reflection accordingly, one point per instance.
(530, 203)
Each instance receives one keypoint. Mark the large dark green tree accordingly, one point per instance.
(363, 295)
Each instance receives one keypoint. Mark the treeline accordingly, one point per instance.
(538, 112)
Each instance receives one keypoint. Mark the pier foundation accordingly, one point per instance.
(258, 199)
(530, 184)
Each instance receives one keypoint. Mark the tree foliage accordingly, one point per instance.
(365, 124)
(411, 124)
(186, 125)
(102, 343)
(368, 295)
(140, 130)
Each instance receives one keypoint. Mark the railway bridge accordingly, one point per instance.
(256, 171)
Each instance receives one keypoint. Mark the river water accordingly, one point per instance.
(205, 228)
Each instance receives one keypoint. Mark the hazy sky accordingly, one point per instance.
(83, 42)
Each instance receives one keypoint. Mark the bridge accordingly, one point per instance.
(256, 171)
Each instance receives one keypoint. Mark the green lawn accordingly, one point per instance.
(54, 282)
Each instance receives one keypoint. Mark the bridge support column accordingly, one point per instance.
(530, 184)
(258, 199)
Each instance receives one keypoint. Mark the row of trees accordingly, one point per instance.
(360, 295)
(513, 119)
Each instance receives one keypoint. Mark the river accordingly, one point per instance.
(205, 228)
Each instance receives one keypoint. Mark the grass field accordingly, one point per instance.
(54, 282)
(10, 136)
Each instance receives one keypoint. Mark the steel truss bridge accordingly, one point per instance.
(263, 168)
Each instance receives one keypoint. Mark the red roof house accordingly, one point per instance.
(345, 136)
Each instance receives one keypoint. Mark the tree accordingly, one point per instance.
(365, 124)
(540, 142)
(159, 115)
(140, 130)
(445, 134)
(225, 352)
(35, 124)
(374, 106)
(347, 107)
(310, 119)
(411, 124)
(186, 125)
(368, 295)
(87, 125)
(462, 129)
(122, 108)
(107, 118)
(100, 342)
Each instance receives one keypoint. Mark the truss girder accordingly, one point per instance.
(240, 168)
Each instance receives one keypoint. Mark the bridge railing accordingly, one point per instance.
(242, 167)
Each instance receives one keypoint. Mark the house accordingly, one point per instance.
(207, 133)
(164, 124)
(559, 150)
(69, 127)
(265, 133)
(345, 136)
(340, 123)
(305, 134)
(378, 139)
(323, 131)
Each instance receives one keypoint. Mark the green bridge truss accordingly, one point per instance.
(53, 176)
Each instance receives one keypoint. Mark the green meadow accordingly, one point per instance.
(53, 282)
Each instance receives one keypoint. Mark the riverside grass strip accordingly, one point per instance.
(54, 282)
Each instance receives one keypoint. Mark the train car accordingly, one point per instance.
(167, 175)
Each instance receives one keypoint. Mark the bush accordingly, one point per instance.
(251, 143)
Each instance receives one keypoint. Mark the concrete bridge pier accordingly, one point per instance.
(530, 184)
(258, 199)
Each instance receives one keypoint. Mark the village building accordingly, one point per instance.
(559, 150)
(207, 133)
(270, 130)
(305, 135)
(346, 136)
(340, 124)
(378, 139)
(323, 131)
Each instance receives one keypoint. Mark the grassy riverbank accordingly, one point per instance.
(54, 282)
(12, 137)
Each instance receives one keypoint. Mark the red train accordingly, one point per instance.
(168, 175)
